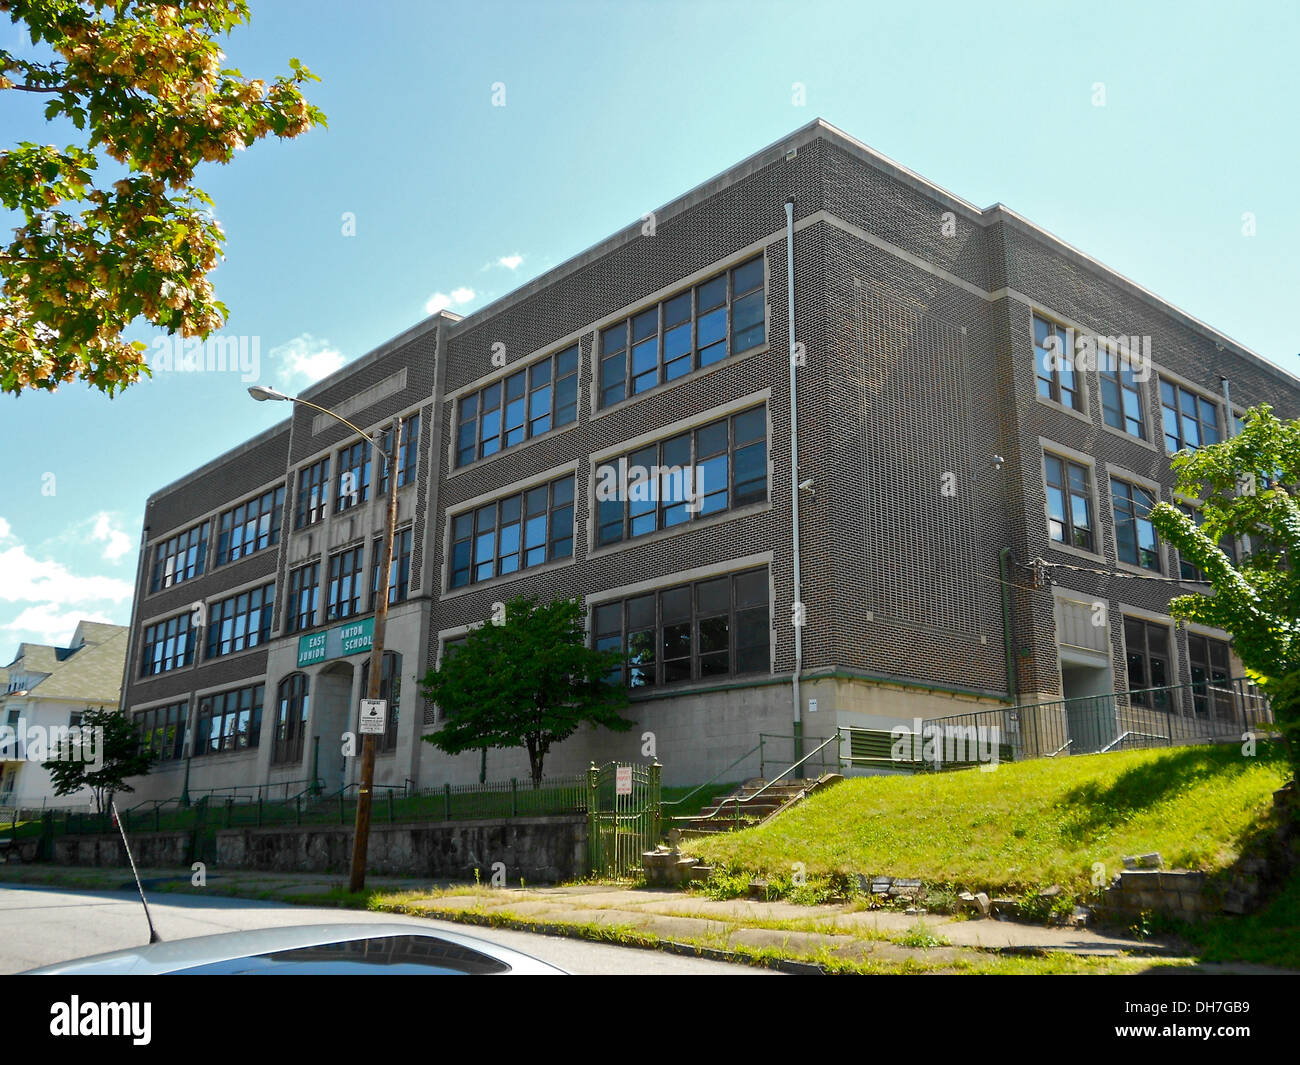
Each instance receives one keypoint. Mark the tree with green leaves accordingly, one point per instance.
(1245, 487)
(530, 681)
(99, 247)
(105, 752)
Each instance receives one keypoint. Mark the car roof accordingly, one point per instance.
(176, 955)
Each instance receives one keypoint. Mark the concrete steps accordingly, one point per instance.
(754, 802)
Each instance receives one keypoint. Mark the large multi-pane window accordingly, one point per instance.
(390, 690)
(180, 558)
(229, 721)
(1054, 364)
(251, 526)
(1121, 395)
(1188, 570)
(163, 731)
(711, 628)
(1210, 663)
(702, 471)
(240, 621)
(304, 588)
(406, 457)
(399, 573)
(344, 598)
(514, 533)
(313, 493)
(1069, 503)
(1135, 536)
(291, 705)
(1190, 420)
(1146, 650)
(353, 487)
(167, 645)
(525, 404)
(683, 333)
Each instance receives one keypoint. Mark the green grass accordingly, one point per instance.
(1024, 826)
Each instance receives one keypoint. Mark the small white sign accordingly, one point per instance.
(374, 716)
(812, 706)
(623, 780)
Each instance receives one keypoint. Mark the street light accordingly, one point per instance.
(361, 837)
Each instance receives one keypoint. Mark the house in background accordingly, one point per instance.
(53, 686)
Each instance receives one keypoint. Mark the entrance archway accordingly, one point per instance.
(331, 706)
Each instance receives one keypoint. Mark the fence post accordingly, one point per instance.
(514, 797)
(656, 810)
(446, 801)
(297, 808)
(762, 764)
(259, 807)
(593, 823)
(230, 810)
(390, 806)
(157, 818)
(342, 818)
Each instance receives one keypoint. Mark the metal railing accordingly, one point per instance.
(757, 748)
(1169, 716)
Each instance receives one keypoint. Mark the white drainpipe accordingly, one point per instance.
(794, 476)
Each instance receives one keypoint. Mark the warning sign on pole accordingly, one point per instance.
(374, 716)
(623, 780)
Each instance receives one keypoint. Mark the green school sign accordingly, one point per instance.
(336, 643)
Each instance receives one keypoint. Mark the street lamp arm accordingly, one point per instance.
(337, 417)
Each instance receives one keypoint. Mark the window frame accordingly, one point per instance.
(1052, 377)
(1137, 521)
(472, 407)
(407, 459)
(504, 516)
(340, 579)
(350, 462)
(292, 710)
(400, 588)
(1152, 700)
(390, 672)
(246, 637)
(295, 618)
(191, 545)
(628, 325)
(1066, 488)
(227, 524)
(159, 719)
(172, 629)
(314, 477)
(1199, 399)
(232, 706)
(1111, 368)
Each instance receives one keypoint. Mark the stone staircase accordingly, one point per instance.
(741, 809)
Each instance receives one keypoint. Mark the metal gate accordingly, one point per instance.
(623, 816)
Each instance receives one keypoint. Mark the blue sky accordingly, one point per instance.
(610, 111)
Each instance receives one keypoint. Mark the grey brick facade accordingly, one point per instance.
(915, 310)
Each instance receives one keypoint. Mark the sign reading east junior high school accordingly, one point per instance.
(337, 642)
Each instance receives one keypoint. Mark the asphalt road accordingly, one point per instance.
(40, 926)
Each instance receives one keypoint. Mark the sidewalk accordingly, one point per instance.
(842, 937)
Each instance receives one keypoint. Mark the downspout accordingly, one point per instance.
(1007, 649)
(1227, 400)
(127, 674)
(799, 616)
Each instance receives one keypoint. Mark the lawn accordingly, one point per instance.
(1025, 825)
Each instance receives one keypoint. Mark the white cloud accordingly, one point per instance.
(510, 262)
(116, 542)
(52, 597)
(306, 356)
(440, 301)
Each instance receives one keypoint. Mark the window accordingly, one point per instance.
(1121, 398)
(1190, 420)
(345, 584)
(699, 472)
(1146, 648)
(230, 721)
(1135, 536)
(518, 532)
(290, 719)
(250, 527)
(313, 491)
(1054, 364)
(304, 587)
(1210, 662)
(399, 573)
(528, 403)
(406, 459)
(163, 731)
(685, 332)
(390, 690)
(240, 621)
(712, 628)
(1069, 503)
(180, 558)
(1186, 570)
(353, 487)
(168, 645)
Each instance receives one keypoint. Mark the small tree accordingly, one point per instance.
(528, 682)
(117, 743)
(1246, 487)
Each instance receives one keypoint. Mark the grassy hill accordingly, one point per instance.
(1023, 826)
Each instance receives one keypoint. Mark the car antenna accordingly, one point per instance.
(154, 937)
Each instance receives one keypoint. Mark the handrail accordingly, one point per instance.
(1126, 735)
(736, 802)
(1061, 748)
(1236, 686)
(712, 779)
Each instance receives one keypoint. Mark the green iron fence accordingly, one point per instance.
(623, 816)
